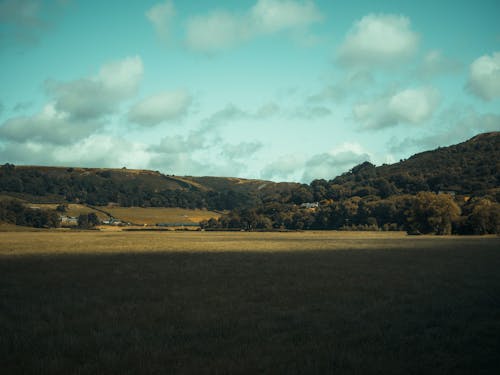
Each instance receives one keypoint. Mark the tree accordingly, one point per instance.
(485, 217)
(433, 213)
(88, 221)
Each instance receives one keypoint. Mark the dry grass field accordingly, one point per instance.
(73, 209)
(209, 302)
(153, 215)
(138, 215)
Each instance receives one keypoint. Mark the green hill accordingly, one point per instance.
(468, 168)
(130, 187)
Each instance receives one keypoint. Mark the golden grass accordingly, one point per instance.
(73, 209)
(136, 215)
(92, 242)
(153, 215)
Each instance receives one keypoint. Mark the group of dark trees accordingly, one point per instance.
(102, 188)
(15, 212)
(425, 212)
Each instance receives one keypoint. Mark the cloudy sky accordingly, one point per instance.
(287, 90)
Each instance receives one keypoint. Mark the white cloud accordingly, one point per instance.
(286, 168)
(178, 144)
(435, 63)
(349, 84)
(457, 124)
(190, 154)
(270, 16)
(216, 31)
(165, 106)
(24, 21)
(331, 164)
(222, 29)
(241, 150)
(311, 112)
(234, 113)
(412, 106)
(94, 97)
(161, 16)
(20, 21)
(104, 150)
(484, 77)
(50, 126)
(25, 13)
(378, 40)
(94, 151)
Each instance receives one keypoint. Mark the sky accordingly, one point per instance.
(282, 90)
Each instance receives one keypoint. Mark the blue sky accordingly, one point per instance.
(287, 90)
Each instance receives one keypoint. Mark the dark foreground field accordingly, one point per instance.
(281, 303)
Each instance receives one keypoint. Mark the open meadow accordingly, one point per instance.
(87, 302)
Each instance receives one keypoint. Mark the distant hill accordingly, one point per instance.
(471, 167)
(131, 187)
(468, 168)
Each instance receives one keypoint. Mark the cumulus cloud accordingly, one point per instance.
(286, 168)
(234, 113)
(344, 87)
(241, 150)
(164, 106)
(50, 126)
(94, 97)
(312, 112)
(23, 21)
(270, 16)
(484, 77)
(197, 154)
(178, 144)
(94, 151)
(378, 40)
(161, 16)
(22, 106)
(331, 164)
(457, 124)
(435, 63)
(216, 31)
(222, 29)
(413, 106)
(178, 154)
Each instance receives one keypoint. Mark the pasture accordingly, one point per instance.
(138, 215)
(212, 302)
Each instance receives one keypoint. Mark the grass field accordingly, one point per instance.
(138, 215)
(154, 215)
(291, 303)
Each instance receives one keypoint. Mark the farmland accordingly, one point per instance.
(154, 215)
(211, 302)
(137, 215)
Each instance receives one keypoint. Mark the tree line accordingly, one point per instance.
(423, 213)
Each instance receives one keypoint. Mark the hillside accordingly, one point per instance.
(468, 168)
(128, 187)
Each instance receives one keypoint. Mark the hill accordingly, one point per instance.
(129, 187)
(468, 168)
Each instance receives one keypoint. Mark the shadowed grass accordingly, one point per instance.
(431, 305)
